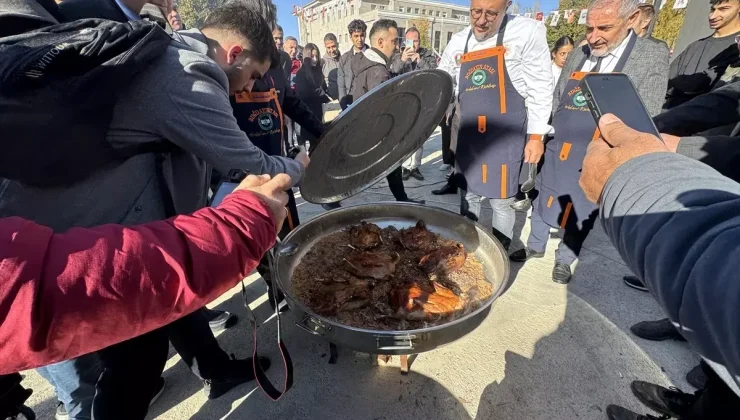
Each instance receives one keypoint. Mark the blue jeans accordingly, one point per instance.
(74, 382)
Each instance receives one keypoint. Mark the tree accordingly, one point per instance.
(193, 12)
(573, 30)
(424, 26)
(669, 23)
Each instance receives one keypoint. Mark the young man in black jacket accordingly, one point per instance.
(370, 69)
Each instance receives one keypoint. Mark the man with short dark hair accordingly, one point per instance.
(330, 64)
(285, 60)
(410, 59)
(701, 65)
(370, 69)
(291, 47)
(356, 29)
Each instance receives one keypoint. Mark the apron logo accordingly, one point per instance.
(265, 121)
(478, 78)
(579, 100)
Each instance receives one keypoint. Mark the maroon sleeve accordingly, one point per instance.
(64, 295)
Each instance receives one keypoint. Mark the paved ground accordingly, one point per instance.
(546, 351)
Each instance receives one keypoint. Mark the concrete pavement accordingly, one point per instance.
(546, 351)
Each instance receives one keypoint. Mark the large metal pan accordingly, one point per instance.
(477, 240)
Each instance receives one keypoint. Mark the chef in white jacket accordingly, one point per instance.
(502, 69)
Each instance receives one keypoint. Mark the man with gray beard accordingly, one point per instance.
(612, 46)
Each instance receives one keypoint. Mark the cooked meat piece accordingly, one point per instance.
(354, 305)
(414, 303)
(341, 296)
(365, 236)
(418, 238)
(374, 265)
(447, 258)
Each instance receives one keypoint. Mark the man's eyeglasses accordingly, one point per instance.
(490, 14)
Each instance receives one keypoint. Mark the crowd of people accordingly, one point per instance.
(101, 272)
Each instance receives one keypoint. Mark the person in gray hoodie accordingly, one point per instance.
(674, 221)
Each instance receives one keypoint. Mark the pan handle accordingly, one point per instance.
(395, 343)
(313, 326)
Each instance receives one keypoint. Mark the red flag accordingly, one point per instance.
(539, 16)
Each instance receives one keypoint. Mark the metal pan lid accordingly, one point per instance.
(376, 134)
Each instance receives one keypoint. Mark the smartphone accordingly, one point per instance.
(614, 93)
(224, 188)
(409, 43)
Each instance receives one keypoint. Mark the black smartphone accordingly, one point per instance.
(614, 93)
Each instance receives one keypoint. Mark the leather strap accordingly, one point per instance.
(259, 374)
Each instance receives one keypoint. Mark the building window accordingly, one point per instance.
(400, 8)
(352, 10)
(437, 35)
(449, 37)
(401, 37)
(372, 7)
(382, 7)
(444, 14)
(416, 10)
(437, 13)
(423, 11)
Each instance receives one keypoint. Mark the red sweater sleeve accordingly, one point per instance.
(64, 295)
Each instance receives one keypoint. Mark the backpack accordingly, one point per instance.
(58, 88)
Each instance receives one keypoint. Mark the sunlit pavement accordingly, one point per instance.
(546, 351)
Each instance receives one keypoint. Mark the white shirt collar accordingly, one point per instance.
(128, 12)
(609, 62)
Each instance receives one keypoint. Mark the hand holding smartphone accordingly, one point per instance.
(614, 93)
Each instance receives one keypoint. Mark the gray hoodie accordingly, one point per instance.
(180, 101)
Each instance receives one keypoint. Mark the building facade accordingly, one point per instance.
(320, 17)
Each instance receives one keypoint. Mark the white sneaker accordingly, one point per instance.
(444, 167)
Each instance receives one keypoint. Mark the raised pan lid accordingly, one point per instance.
(375, 134)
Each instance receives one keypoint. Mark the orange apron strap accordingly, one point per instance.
(549, 201)
(566, 213)
(502, 82)
(484, 173)
(504, 181)
(481, 124)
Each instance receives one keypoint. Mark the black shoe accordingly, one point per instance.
(158, 391)
(331, 206)
(670, 402)
(405, 174)
(561, 273)
(521, 255)
(657, 330)
(61, 413)
(635, 283)
(220, 320)
(238, 372)
(615, 412)
(416, 173)
(447, 189)
(697, 378)
(409, 200)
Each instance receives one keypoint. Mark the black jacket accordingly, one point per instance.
(370, 70)
(427, 61)
(85, 9)
(285, 64)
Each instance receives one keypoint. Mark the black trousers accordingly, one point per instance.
(132, 369)
(716, 401)
(395, 183)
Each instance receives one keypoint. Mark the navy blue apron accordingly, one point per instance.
(493, 124)
(561, 201)
(260, 116)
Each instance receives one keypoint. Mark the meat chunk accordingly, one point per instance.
(365, 236)
(374, 265)
(334, 297)
(414, 303)
(447, 258)
(418, 238)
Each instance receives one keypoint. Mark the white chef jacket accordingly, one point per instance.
(527, 63)
(555, 74)
(610, 60)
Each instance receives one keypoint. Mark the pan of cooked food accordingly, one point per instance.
(390, 278)
(386, 278)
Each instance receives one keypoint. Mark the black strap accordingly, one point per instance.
(499, 39)
(259, 374)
